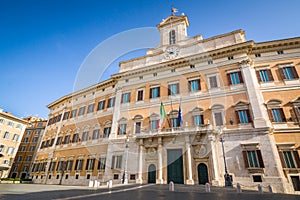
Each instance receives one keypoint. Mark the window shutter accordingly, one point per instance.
(178, 89)
(189, 85)
(297, 159)
(237, 117)
(270, 115)
(241, 77)
(113, 162)
(169, 89)
(87, 164)
(260, 160)
(282, 115)
(258, 76)
(294, 72)
(122, 98)
(270, 76)
(249, 116)
(245, 159)
(199, 84)
(151, 93)
(280, 71)
(282, 159)
(202, 119)
(158, 91)
(76, 165)
(229, 79)
(297, 112)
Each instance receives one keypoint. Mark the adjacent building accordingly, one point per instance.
(161, 118)
(30, 142)
(11, 131)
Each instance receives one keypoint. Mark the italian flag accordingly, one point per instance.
(162, 114)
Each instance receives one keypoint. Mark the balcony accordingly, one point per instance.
(146, 132)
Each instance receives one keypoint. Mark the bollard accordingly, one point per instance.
(207, 187)
(96, 184)
(109, 185)
(270, 189)
(171, 186)
(238, 188)
(91, 184)
(259, 188)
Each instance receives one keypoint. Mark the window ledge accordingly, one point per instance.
(236, 86)
(154, 99)
(280, 125)
(195, 93)
(292, 170)
(213, 90)
(245, 125)
(291, 82)
(139, 102)
(267, 84)
(256, 170)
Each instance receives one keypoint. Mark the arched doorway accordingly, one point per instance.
(151, 174)
(202, 173)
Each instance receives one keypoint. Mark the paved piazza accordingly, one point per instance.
(44, 192)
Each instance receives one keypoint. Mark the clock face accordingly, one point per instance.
(172, 52)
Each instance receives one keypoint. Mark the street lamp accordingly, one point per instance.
(125, 175)
(227, 176)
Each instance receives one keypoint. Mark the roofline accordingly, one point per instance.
(13, 117)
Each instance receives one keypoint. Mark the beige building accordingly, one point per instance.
(30, 142)
(223, 88)
(11, 132)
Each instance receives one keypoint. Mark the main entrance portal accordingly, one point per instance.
(175, 165)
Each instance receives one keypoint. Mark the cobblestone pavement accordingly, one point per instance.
(145, 192)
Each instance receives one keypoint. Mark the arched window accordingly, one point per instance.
(172, 37)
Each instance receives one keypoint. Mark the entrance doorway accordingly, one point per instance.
(23, 175)
(151, 174)
(296, 182)
(202, 174)
(175, 166)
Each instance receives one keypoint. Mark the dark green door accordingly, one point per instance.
(152, 174)
(202, 174)
(175, 166)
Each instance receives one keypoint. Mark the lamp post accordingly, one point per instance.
(125, 175)
(227, 176)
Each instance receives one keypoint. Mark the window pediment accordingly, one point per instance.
(217, 107)
(154, 116)
(197, 111)
(138, 118)
(241, 105)
(123, 120)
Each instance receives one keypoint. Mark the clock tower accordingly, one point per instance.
(173, 30)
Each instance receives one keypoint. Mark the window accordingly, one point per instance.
(79, 164)
(172, 37)
(75, 138)
(101, 163)
(154, 74)
(37, 131)
(140, 95)
(28, 158)
(31, 148)
(154, 92)
(16, 137)
(1, 121)
(35, 139)
(175, 122)
(141, 77)
(22, 148)
(81, 111)
(289, 158)
(10, 150)
(111, 102)
(67, 139)
(107, 132)
(90, 164)
(264, 75)
(116, 162)
(218, 118)
(6, 135)
(127, 80)
(96, 134)
(19, 158)
(210, 62)
(154, 125)
(28, 132)
(253, 159)
(52, 166)
(257, 178)
(277, 115)
(257, 55)
(194, 85)
(213, 82)
(288, 73)
(173, 89)
(173, 70)
(116, 176)
(73, 113)
(69, 165)
(59, 141)
(19, 126)
(192, 66)
(85, 136)
(235, 78)
(10, 123)
(91, 108)
(279, 52)
(101, 105)
(138, 127)
(198, 120)
(230, 57)
(25, 140)
(125, 97)
(243, 116)
(66, 115)
(122, 129)
(132, 176)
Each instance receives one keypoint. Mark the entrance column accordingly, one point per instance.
(160, 164)
(140, 172)
(190, 180)
(215, 181)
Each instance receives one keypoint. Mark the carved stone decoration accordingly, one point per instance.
(200, 151)
(151, 151)
(246, 62)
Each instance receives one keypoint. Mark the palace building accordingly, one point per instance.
(162, 117)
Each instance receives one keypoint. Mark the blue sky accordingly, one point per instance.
(43, 43)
